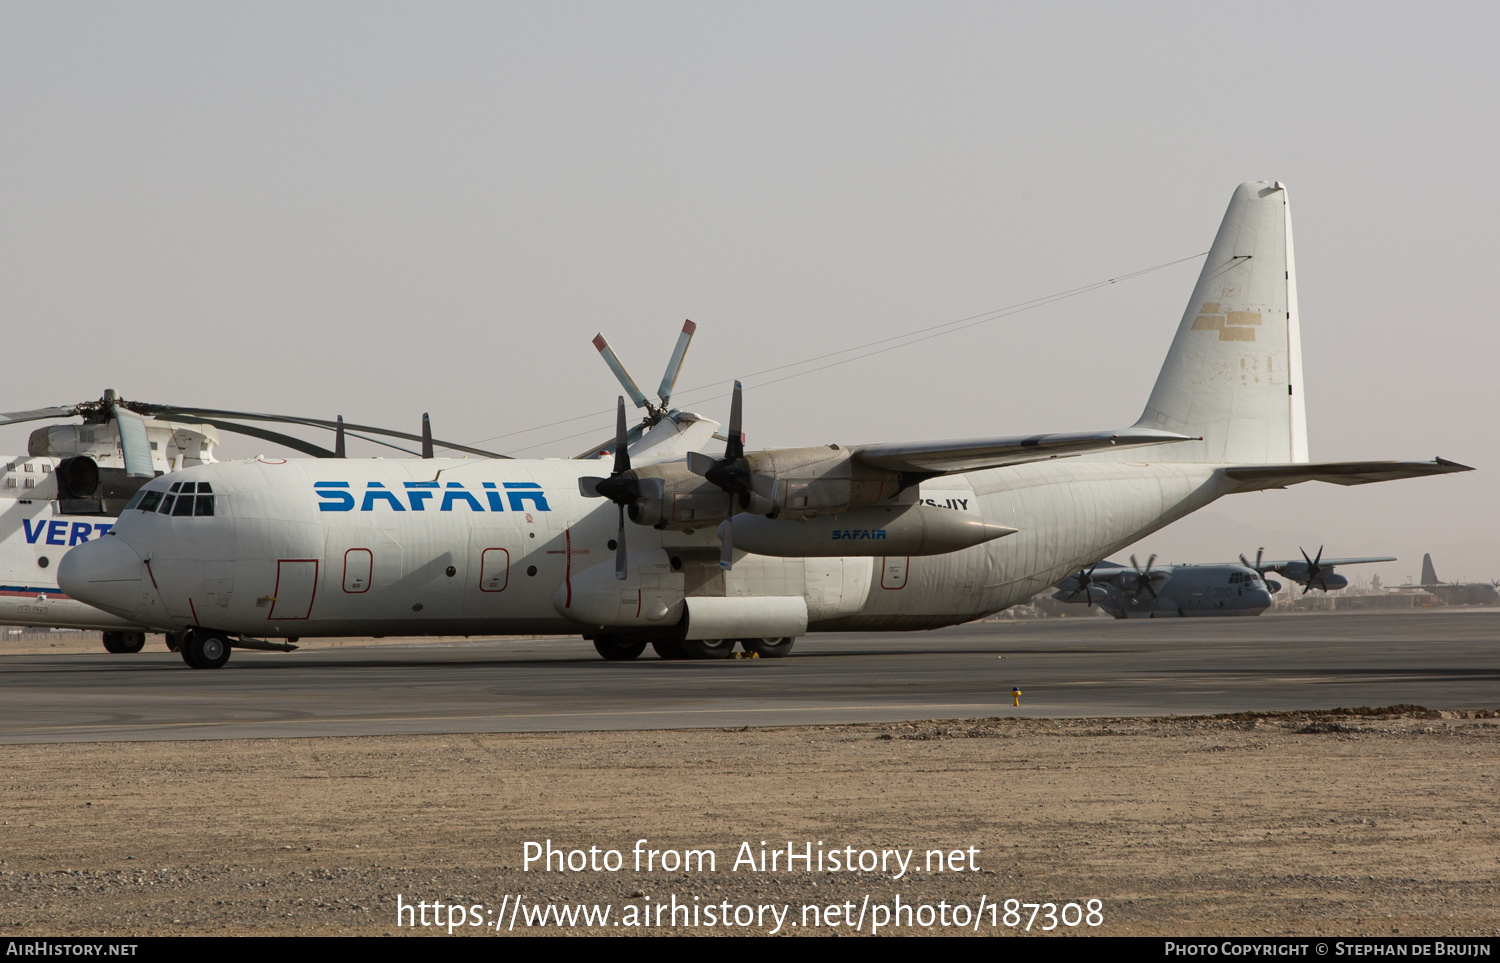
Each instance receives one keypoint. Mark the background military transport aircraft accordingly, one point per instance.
(1224, 588)
(1458, 593)
(752, 547)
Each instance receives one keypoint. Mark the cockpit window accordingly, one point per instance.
(185, 499)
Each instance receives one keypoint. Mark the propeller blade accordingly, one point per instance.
(726, 551)
(426, 436)
(765, 486)
(674, 366)
(735, 448)
(621, 375)
(621, 565)
(588, 486)
(622, 445)
(135, 445)
(1258, 553)
(338, 440)
(699, 463)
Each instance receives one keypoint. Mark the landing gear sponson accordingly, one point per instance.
(616, 648)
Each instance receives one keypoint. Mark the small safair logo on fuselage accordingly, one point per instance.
(339, 496)
(846, 534)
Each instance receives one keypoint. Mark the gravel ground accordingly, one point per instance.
(1345, 822)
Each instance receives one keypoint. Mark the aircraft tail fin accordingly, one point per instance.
(1429, 574)
(1234, 372)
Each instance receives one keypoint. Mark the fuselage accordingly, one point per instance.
(336, 547)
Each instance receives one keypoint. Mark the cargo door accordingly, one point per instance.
(492, 589)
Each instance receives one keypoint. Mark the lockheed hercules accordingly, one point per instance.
(696, 554)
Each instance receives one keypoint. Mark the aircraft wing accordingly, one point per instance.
(1258, 477)
(972, 454)
(1293, 563)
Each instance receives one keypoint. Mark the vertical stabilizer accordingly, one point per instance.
(1429, 574)
(1234, 373)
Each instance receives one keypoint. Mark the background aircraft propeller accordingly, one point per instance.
(1143, 576)
(1314, 570)
(1085, 578)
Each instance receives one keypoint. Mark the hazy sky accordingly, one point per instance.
(380, 209)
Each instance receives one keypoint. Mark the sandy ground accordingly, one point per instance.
(1340, 824)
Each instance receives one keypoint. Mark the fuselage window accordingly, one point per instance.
(166, 504)
(203, 504)
(184, 506)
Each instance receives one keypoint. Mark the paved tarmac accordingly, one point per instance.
(1065, 667)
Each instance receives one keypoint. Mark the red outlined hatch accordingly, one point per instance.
(893, 572)
(358, 564)
(296, 586)
(494, 570)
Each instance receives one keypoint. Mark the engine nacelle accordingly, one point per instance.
(1328, 583)
(687, 500)
(873, 531)
(811, 482)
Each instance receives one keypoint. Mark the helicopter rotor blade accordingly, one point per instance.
(674, 365)
(621, 375)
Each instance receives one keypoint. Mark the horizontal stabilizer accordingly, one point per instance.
(1258, 477)
(973, 454)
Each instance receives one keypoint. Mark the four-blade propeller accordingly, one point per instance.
(732, 475)
(623, 487)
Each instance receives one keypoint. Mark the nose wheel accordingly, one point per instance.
(204, 648)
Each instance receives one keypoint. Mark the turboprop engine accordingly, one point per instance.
(877, 530)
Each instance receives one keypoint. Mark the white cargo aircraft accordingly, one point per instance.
(754, 548)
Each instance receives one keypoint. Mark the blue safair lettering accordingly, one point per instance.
(80, 533)
(455, 492)
(375, 491)
(57, 532)
(33, 534)
(336, 497)
(334, 500)
(417, 493)
(521, 492)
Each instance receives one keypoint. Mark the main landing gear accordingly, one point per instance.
(123, 642)
(614, 648)
(204, 648)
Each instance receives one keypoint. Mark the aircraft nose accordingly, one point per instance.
(105, 573)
